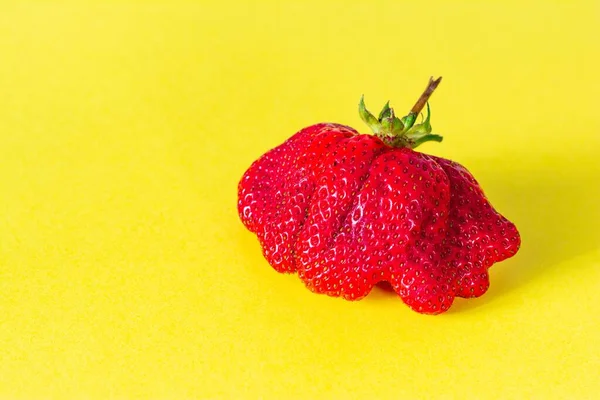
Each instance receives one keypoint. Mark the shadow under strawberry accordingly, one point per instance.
(555, 206)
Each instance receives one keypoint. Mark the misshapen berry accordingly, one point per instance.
(347, 211)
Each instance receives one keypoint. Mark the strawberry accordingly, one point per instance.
(348, 211)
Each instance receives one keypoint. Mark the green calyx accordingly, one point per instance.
(402, 132)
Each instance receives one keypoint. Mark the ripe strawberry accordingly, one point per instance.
(347, 211)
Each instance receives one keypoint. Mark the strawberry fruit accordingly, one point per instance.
(347, 211)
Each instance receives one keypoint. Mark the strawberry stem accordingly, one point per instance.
(402, 132)
(433, 84)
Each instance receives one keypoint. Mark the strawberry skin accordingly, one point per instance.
(275, 191)
(347, 211)
(480, 236)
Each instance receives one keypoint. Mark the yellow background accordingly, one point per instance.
(124, 128)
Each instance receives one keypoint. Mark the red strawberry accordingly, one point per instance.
(348, 211)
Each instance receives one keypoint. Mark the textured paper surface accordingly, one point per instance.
(125, 126)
